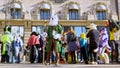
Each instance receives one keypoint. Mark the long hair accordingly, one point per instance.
(113, 25)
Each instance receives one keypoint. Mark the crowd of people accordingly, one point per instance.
(57, 46)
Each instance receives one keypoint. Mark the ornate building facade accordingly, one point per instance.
(26, 16)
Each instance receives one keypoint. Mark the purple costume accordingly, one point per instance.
(103, 41)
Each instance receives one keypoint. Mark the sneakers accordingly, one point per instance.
(57, 64)
(47, 64)
(94, 63)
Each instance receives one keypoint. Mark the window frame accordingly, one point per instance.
(73, 14)
(100, 15)
(46, 12)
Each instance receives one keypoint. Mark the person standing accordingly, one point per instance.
(16, 48)
(54, 32)
(6, 40)
(72, 46)
(93, 36)
(83, 47)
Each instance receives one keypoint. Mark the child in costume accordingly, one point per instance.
(83, 47)
(103, 46)
(62, 53)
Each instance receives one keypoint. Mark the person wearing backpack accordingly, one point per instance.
(72, 46)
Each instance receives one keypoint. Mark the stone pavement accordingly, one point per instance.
(27, 65)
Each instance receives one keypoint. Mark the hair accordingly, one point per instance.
(34, 33)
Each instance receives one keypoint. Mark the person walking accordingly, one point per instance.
(33, 42)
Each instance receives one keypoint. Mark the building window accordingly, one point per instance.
(79, 29)
(17, 30)
(73, 14)
(101, 15)
(15, 14)
(59, 1)
(38, 29)
(44, 14)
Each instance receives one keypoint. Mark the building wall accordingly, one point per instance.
(119, 8)
(86, 9)
(85, 6)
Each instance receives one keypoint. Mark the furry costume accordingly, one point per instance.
(84, 47)
(103, 45)
(54, 35)
(93, 36)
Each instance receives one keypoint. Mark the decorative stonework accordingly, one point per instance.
(101, 3)
(67, 8)
(105, 8)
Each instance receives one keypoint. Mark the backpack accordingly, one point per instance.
(72, 37)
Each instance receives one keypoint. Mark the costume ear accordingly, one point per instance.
(93, 26)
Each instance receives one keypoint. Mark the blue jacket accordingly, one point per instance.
(82, 42)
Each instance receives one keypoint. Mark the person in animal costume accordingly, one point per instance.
(6, 40)
(113, 28)
(103, 46)
(93, 35)
(83, 47)
(54, 32)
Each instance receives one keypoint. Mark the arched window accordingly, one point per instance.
(15, 11)
(101, 12)
(73, 12)
(45, 11)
